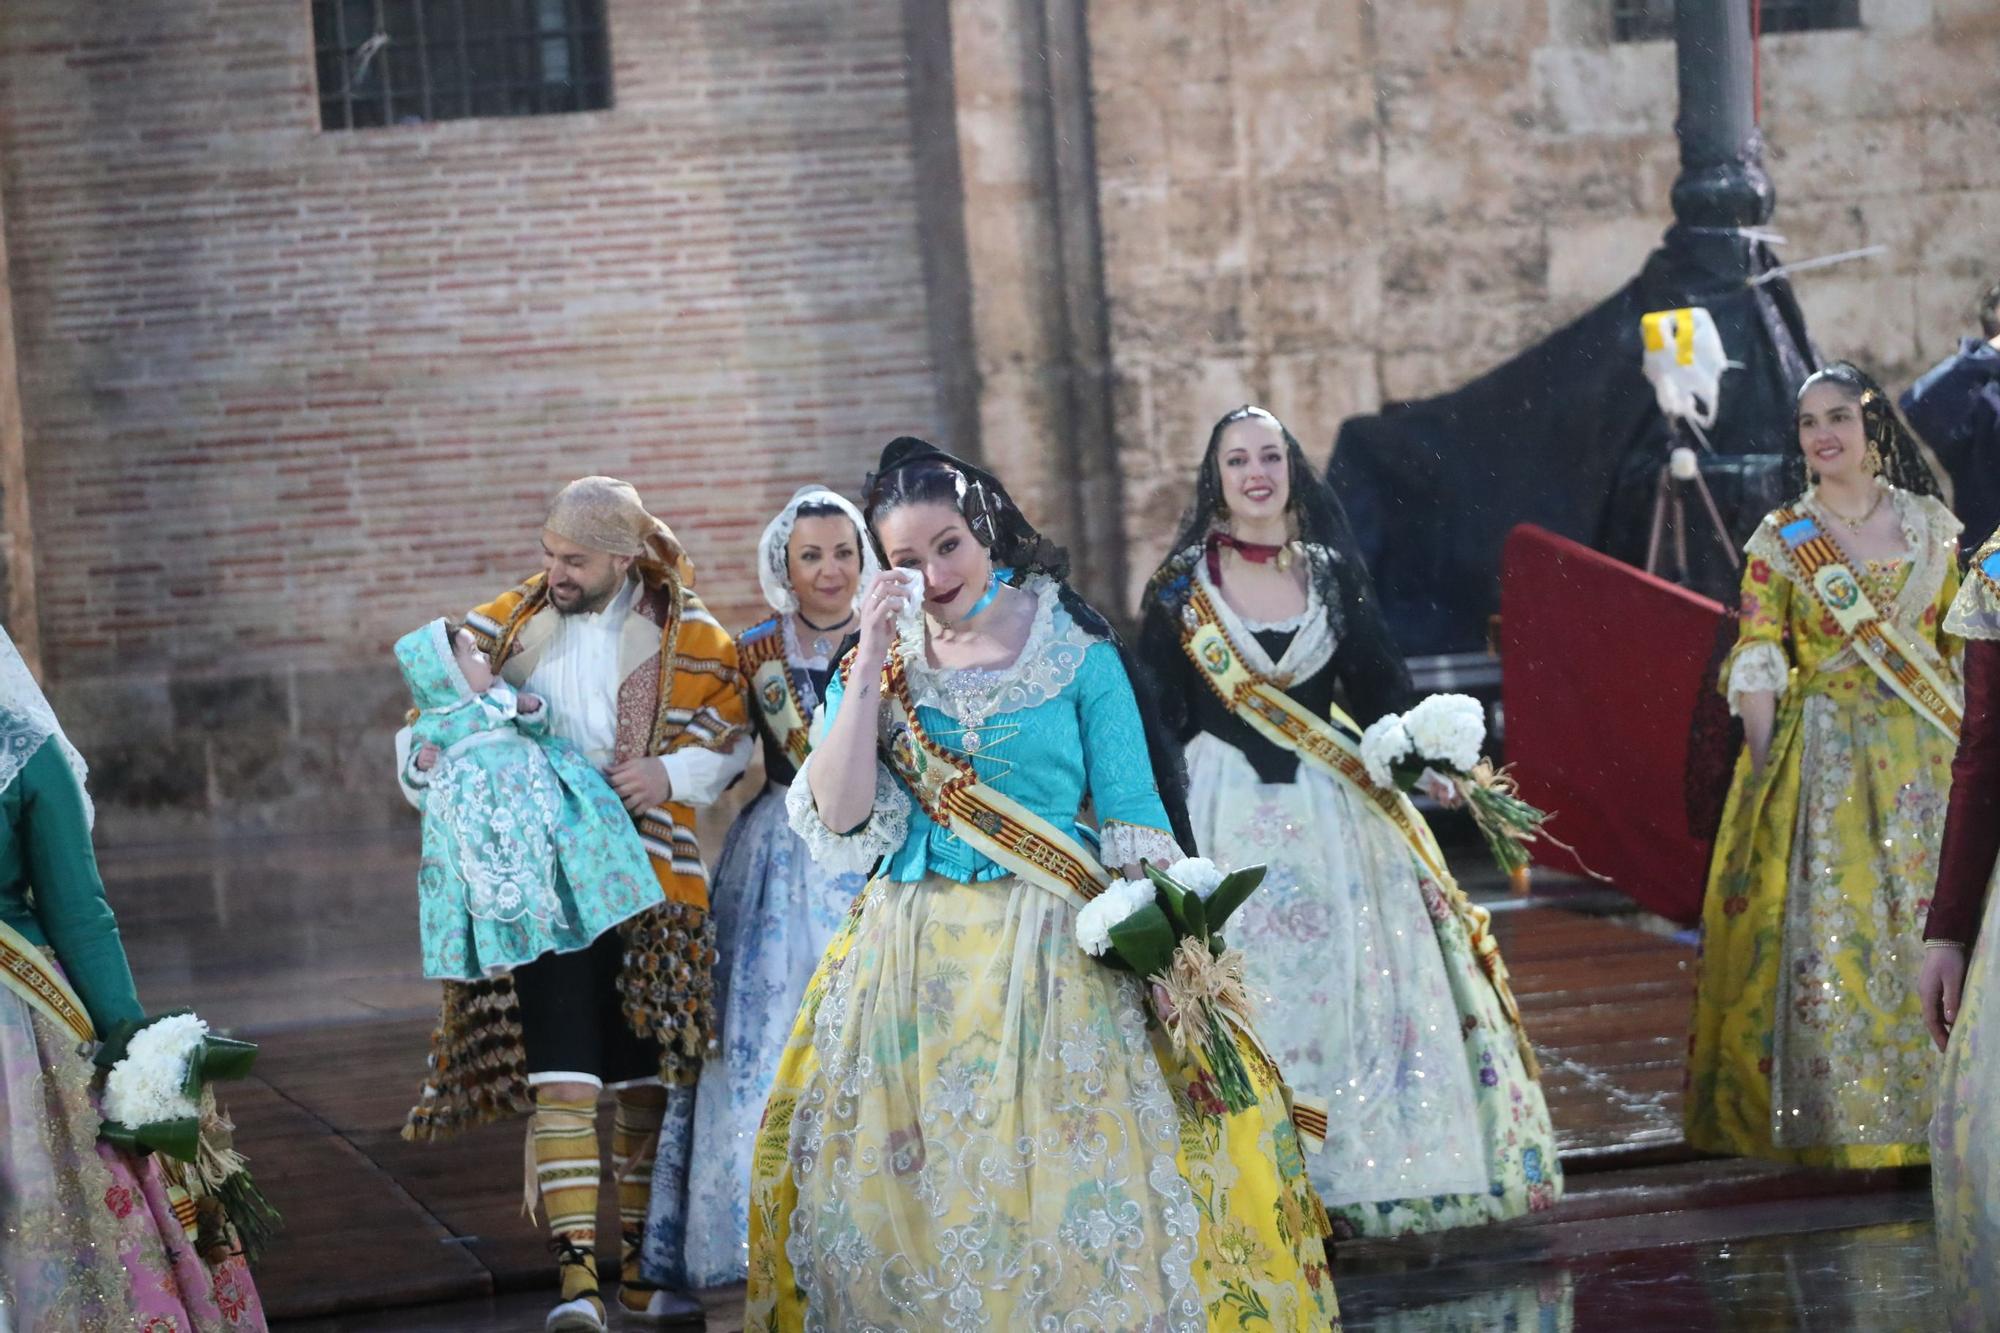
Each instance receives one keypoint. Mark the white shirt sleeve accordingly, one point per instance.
(700, 776)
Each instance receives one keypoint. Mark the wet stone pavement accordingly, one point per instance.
(309, 945)
(1880, 1278)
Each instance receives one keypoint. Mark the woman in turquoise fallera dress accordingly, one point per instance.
(88, 1238)
(975, 1125)
(775, 906)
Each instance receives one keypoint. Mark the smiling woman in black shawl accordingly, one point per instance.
(1383, 988)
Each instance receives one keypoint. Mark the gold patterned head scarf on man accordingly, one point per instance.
(606, 515)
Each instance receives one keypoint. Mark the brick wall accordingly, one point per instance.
(288, 393)
(1330, 204)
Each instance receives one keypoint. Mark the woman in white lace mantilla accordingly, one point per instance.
(1370, 968)
(974, 1125)
(775, 907)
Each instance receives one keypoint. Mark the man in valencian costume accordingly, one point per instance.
(639, 677)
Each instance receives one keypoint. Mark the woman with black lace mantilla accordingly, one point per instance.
(1268, 655)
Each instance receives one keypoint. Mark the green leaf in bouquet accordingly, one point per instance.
(180, 1139)
(1169, 889)
(114, 1042)
(1406, 773)
(223, 1059)
(1146, 940)
(1182, 904)
(1229, 894)
(1194, 916)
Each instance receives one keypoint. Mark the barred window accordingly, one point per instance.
(402, 62)
(1652, 20)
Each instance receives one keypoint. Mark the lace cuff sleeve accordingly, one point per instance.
(1128, 844)
(887, 827)
(1758, 666)
(1975, 612)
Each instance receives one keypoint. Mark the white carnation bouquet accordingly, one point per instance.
(157, 1098)
(1166, 927)
(1436, 747)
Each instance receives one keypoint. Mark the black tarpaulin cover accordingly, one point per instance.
(1568, 435)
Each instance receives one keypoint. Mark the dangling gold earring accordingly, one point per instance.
(1872, 459)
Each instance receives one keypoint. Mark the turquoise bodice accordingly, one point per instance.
(1058, 728)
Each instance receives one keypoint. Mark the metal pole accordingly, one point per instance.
(1722, 181)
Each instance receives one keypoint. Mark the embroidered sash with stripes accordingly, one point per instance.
(25, 970)
(761, 654)
(1021, 841)
(1001, 828)
(1819, 566)
(1988, 564)
(1975, 612)
(1280, 719)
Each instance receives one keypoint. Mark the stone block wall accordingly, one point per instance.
(288, 393)
(1326, 205)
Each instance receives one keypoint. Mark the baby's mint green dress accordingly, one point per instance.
(526, 849)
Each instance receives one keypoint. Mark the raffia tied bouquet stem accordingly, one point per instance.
(1444, 736)
(157, 1098)
(1167, 928)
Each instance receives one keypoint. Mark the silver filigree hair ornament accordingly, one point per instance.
(979, 510)
(774, 570)
(1837, 374)
(1246, 413)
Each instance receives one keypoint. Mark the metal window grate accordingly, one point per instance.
(1653, 20)
(402, 62)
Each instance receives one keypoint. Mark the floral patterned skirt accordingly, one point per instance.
(88, 1240)
(1809, 1044)
(971, 1129)
(1965, 1144)
(1372, 998)
(774, 911)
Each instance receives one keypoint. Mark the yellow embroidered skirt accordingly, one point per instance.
(973, 1128)
(1808, 1043)
(1965, 1144)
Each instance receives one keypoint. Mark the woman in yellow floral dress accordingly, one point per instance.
(1809, 1043)
(975, 1125)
